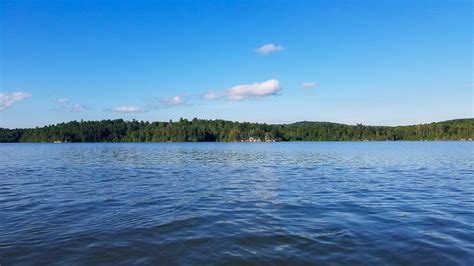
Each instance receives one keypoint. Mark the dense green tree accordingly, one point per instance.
(219, 130)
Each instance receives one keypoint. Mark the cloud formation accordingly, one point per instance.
(247, 91)
(8, 99)
(255, 90)
(65, 103)
(269, 48)
(211, 95)
(77, 108)
(63, 100)
(309, 85)
(128, 109)
(174, 101)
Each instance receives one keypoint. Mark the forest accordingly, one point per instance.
(199, 130)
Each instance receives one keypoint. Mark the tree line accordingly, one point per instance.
(199, 130)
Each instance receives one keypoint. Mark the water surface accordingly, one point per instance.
(409, 203)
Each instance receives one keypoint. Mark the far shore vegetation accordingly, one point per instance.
(198, 130)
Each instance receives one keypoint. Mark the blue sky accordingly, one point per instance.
(371, 62)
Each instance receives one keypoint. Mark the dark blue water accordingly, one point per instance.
(402, 203)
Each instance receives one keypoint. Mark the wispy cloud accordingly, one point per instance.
(62, 100)
(65, 104)
(78, 108)
(174, 101)
(269, 48)
(128, 109)
(211, 95)
(8, 99)
(247, 91)
(309, 85)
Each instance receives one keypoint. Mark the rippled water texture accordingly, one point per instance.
(232, 203)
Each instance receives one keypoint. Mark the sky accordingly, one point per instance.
(375, 62)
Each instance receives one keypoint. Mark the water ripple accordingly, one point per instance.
(402, 203)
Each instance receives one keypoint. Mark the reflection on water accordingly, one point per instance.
(233, 203)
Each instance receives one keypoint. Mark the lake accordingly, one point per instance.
(291, 203)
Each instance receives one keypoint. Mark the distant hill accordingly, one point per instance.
(220, 130)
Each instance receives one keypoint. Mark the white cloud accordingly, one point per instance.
(174, 101)
(269, 48)
(8, 99)
(65, 103)
(212, 95)
(247, 91)
(128, 109)
(62, 100)
(255, 90)
(77, 108)
(309, 85)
